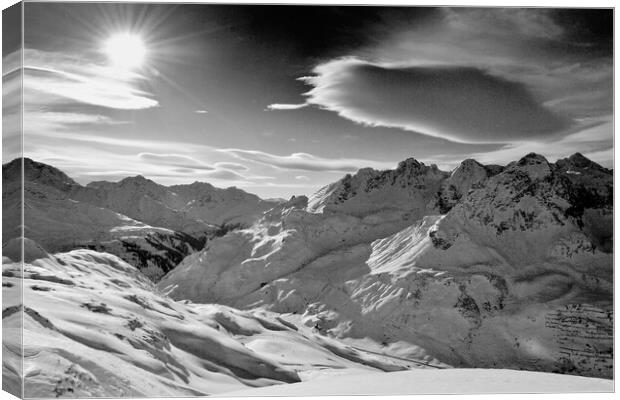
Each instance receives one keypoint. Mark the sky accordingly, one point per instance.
(281, 100)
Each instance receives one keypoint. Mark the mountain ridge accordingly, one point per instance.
(136, 218)
(484, 266)
(484, 253)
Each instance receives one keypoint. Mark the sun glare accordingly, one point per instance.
(125, 50)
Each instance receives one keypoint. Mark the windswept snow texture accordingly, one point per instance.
(95, 326)
(151, 226)
(492, 267)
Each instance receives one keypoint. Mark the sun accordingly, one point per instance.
(125, 50)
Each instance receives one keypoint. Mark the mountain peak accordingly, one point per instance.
(410, 163)
(578, 161)
(534, 165)
(37, 172)
(533, 158)
(468, 165)
(137, 180)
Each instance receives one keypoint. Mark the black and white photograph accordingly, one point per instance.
(306, 199)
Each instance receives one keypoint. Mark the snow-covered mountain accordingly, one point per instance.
(149, 225)
(191, 208)
(382, 271)
(485, 267)
(95, 326)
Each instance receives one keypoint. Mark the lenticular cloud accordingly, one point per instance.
(462, 104)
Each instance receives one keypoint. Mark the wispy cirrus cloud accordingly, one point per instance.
(58, 78)
(176, 160)
(231, 165)
(279, 106)
(305, 161)
(52, 121)
(65, 95)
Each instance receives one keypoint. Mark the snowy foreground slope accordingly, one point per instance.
(95, 326)
(450, 381)
(487, 267)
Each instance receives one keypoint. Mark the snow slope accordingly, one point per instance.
(453, 381)
(485, 267)
(95, 326)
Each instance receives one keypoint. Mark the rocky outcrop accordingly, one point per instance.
(410, 188)
(469, 175)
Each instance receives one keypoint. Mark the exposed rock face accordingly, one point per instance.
(470, 174)
(411, 188)
(485, 267)
(152, 226)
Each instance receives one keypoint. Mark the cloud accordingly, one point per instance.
(226, 174)
(231, 165)
(462, 104)
(176, 160)
(305, 162)
(277, 106)
(65, 93)
(51, 121)
(555, 53)
(117, 143)
(56, 78)
(201, 112)
(183, 166)
(476, 75)
(302, 178)
(593, 140)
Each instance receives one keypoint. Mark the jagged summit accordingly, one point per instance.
(409, 163)
(409, 186)
(414, 185)
(578, 162)
(534, 165)
(470, 174)
(469, 163)
(533, 158)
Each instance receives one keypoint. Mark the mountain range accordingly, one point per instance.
(149, 225)
(485, 266)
